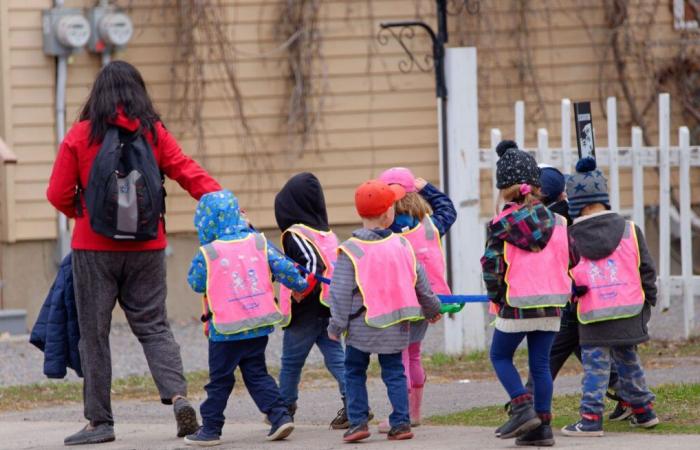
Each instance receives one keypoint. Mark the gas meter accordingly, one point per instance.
(65, 31)
(111, 29)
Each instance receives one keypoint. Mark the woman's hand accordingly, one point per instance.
(333, 337)
(435, 319)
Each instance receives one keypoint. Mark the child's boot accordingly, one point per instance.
(415, 400)
(523, 418)
(539, 437)
(590, 425)
(644, 417)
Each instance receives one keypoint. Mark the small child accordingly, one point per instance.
(378, 287)
(234, 269)
(423, 216)
(300, 211)
(617, 288)
(525, 269)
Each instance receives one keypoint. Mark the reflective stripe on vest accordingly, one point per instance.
(326, 245)
(385, 272)
(614, 284)
(240, 294)
(539, 279)
(425, 240)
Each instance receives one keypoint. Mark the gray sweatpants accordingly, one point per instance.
(137, 281)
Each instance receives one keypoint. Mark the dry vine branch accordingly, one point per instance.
(306, 85)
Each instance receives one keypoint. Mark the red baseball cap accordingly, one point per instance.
(373, 198)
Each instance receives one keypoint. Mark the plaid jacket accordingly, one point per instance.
(526, 228)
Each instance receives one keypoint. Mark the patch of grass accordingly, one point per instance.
(677, 405)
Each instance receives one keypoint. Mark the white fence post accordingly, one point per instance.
(566, 135)
(542, 146)
(520, 123)
(686, 232)
(637, 178)
(495, 139)
(664, 201)
(613, 164)
(466, 330)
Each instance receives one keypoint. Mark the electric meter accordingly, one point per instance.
(116, 29)
(73, 31)
(65, 31)
(111, 29)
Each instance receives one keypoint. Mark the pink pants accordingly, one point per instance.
(415, 375)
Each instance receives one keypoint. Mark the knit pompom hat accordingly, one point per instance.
(515, 166)
(585, 187)
(553, 183)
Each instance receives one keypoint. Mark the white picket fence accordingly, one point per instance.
(637, 157)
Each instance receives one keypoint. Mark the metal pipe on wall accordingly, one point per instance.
(63, 233)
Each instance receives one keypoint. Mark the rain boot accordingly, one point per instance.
(415, 400)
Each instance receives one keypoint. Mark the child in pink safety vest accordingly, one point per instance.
(525, 268)
(234, 269)
(378, 288)
(300, 211)
(423, 216)
(617, 288)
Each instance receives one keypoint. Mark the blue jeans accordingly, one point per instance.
(296, 345)
(249, 356)
(632, 386)
(356, 363)
(539, 345)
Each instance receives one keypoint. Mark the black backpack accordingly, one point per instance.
(125, 196)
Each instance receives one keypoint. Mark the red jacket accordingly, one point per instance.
(74, 159)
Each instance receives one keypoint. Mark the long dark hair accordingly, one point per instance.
(118, 85)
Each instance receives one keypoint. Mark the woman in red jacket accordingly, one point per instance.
(131, 272)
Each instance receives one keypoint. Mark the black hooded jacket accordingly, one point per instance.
(301, 201)
(596, 237)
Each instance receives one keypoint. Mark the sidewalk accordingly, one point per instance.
(49, 435)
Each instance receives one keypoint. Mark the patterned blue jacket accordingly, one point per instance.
(218, 217)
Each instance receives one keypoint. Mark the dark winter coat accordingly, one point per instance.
(56, 331)
(596, 237)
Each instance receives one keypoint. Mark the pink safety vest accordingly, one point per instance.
(425, 240)
(326, 245)
(539, 279)
(385, 272)
(240, 295)
(614, 284)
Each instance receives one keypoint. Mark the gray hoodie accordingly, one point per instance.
(346, 301)
(597, 236)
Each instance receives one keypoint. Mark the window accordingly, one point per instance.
(685, 14)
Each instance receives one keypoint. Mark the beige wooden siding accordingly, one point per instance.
(374, 117)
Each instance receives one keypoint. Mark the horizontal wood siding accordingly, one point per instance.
(374, 116)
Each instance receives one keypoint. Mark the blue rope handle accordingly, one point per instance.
(463, 298)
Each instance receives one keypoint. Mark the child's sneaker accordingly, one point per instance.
(283, 429)
(647, 419)
(622, 411)
(400, 432)
(202, 439)
(587, 426)
(356, 433)
(341, 421)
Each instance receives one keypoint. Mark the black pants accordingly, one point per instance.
(137, 281)
(249, 356)
(566, 343)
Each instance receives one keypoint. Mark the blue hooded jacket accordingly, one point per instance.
(218, 217)
(56, 330)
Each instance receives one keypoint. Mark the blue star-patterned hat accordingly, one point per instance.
(587, 186)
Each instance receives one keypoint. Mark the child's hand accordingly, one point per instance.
(435, 319)
(419, 183)
(333, 337)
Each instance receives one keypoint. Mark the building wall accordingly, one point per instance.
(374, 117)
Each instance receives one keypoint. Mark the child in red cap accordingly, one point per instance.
(378, 288)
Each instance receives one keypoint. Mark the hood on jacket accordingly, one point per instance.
(371, 235)
(598, 235)
(528, 228)
(301, 201)
(121, 120)
(218, 215)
